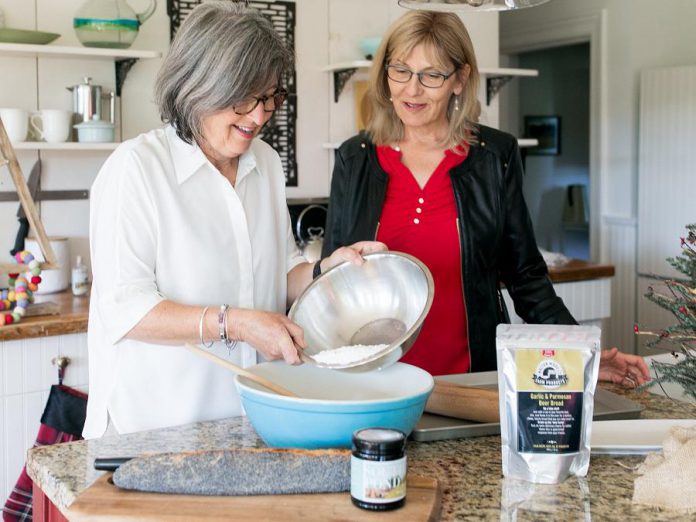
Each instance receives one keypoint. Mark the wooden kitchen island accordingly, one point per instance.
(469, 471)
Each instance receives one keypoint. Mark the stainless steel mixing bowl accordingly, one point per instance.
(384, 301)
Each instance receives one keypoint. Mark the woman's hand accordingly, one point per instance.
(622, 368)
(301, 276)
(352, 253)
(271, 334)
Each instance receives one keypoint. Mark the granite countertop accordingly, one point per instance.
(469, 470)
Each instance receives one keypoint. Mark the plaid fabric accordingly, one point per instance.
(65, 410)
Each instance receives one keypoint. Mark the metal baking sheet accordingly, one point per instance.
(608, 406)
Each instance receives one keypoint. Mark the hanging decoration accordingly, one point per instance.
(15, 299)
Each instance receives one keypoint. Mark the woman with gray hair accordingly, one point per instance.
(427, 179)
(190, 235)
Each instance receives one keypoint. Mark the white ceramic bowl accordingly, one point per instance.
(95, 131)
(332, 405)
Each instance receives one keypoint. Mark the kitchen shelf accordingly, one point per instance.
(70, 145)
(10, 49)
(521, 142)
(495, 77)
(123, 59)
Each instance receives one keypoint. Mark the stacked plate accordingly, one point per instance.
(23, 36)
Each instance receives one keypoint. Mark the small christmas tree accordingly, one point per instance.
(679, 298)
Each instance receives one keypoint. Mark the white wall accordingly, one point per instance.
(637, 34)
(640, 34)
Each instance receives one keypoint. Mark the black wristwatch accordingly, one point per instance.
(316, 271)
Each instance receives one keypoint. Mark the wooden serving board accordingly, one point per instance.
(104, 501)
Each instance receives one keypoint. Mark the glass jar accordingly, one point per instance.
(378, 469)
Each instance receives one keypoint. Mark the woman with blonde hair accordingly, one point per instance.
(427, 179)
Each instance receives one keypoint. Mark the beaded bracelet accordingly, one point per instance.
(200, 329)
(21, 288)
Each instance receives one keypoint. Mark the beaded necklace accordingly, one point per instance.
(15, 299)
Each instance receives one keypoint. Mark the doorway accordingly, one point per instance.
(554, 108)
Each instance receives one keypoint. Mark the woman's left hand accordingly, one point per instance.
(352, 253)
(622, 368)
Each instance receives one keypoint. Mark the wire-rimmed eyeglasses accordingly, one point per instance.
(270, 102)
(430, 79)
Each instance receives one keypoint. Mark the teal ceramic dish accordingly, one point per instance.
(333, 404)
(23, 36)
(368, 46)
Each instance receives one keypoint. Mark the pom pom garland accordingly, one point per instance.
(15, 299)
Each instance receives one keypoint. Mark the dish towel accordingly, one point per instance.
(669, 479)
(62, 421)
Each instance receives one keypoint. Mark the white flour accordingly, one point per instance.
(348, 354)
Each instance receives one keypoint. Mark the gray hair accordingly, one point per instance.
(223, 53)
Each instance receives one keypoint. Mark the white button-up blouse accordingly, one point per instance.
(165, 224)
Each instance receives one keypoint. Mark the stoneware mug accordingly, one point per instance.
(51, 125)
(16, 122)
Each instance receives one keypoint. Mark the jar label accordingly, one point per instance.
(378, 482)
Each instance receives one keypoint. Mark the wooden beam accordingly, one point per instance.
(9, 157)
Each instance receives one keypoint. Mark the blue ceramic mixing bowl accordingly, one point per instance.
(332, 404)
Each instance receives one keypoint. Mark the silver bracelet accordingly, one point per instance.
(200, 329)
(221, 323)
(229, 343)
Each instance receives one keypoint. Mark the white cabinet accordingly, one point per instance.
(588, 301)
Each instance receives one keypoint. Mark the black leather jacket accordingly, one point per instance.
(495, 232)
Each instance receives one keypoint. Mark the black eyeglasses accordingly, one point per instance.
(430, 79)
(270, 102)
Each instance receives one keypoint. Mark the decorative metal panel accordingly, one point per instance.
(280, 131)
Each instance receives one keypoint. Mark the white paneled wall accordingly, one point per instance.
(666, 159)
(588, 301)
(26, 375)
(619, 250)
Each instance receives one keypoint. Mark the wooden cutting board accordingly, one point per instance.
(104, 501)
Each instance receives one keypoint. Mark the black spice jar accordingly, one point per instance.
(378, 469)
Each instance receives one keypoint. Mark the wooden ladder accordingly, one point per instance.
(9, 158)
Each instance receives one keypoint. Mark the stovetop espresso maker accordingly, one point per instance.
(88, 100)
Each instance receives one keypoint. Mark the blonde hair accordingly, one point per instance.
(445, 36)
